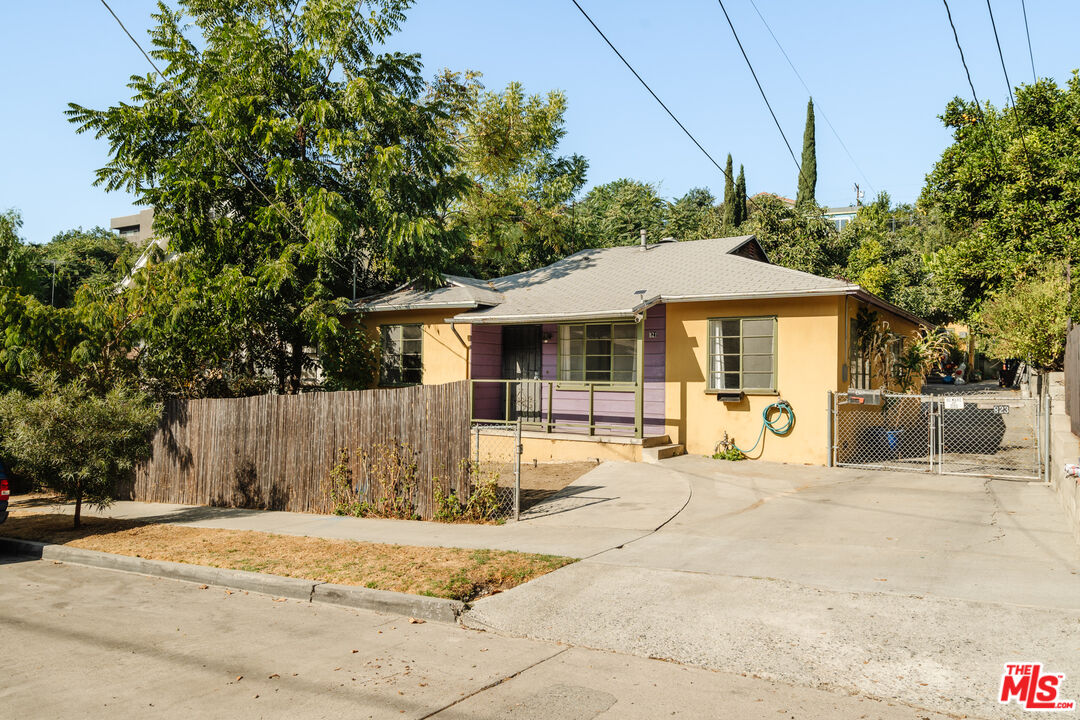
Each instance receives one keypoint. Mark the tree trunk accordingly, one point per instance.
(78, 510)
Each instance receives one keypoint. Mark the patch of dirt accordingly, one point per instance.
(541, 481)
(439, 572)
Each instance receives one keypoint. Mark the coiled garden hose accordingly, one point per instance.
(783, 407)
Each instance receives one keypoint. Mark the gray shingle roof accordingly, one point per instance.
(619, 282)
(459, 292)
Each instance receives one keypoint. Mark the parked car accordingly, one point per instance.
(5, 492)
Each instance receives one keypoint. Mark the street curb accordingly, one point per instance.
(381, 601)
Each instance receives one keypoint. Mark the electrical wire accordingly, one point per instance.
(817, 106)
(978, 105)
(1008, 84)
(760, 89)
(658, 100)
(1031, 54)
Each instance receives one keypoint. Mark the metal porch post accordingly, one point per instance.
(639, 377)
(829, 439)
(517, 471)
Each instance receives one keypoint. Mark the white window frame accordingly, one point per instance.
(715, 342)
(392, 360)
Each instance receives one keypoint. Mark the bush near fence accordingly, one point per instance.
(276, 452)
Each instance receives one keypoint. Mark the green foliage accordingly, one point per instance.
(1010, 183)
(76, 442)
(808, 167)
(797, 237)
(730, 453)
(615, 213)
(97, 257)
(902, 360)
(890, 248)
(1029, 321)
(391, 486)
(741, 213)
(730, 213)
(694, 216)
(284, 155)
(515, 213)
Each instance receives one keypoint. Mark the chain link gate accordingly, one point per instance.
(496, 457)
(981, 434)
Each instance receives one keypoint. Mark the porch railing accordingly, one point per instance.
(535, 402)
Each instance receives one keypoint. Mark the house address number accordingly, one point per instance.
(1001, 409)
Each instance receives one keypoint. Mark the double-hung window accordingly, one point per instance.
(742, 354)
(402, 347)
(598, 352)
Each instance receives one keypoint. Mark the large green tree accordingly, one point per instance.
(694, 216)
(517, 212)
(616, 212)
(741, 213)
(731, 217)
(889, 246)
(1009, 186)
(797, 237)
(283, 152)
(808, 166)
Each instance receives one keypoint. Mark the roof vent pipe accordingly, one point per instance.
(644, 245)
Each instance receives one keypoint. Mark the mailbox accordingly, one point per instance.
(864, 397)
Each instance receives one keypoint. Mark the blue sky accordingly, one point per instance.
(881, 71)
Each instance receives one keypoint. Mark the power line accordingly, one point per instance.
(811, 94)
(657, 97)
(1031, 55)
(760, 89)
(978, 105)
(1012, 100)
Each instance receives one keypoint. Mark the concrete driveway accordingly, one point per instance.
(894, 585)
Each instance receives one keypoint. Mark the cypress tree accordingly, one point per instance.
(740, 198)
(729, 197)
(808, 176)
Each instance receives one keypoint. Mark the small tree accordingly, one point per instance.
(808, 167)
(731, 218)
(74, 442)
(1029, 321)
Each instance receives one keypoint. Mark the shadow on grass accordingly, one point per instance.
(57, 527)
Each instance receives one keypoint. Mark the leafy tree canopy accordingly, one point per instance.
(1010, 183)
(76, 442)
(283, 153)
(515, 213)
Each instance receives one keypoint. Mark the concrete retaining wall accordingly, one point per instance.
(1064, 448)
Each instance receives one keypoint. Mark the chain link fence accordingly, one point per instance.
(983, 434)
(496, 463)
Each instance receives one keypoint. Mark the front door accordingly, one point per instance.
(522, 357)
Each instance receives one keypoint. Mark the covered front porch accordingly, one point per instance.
(596, 379)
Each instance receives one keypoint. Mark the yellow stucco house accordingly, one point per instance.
(631, 352)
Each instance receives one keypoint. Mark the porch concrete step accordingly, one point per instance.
(661, 452)
(655, 440)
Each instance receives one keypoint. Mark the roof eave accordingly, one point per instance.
(415, 306)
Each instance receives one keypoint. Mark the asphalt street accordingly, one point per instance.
(90, 643)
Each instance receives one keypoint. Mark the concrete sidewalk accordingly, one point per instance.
(607, 507)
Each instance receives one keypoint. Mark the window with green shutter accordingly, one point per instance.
(742, 354)
(597, 352)
(402, 360)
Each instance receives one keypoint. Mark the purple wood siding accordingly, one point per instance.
(486, 359)
(609, 407)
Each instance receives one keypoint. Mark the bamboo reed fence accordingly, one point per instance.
(276, 451)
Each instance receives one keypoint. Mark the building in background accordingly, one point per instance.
(137, 228)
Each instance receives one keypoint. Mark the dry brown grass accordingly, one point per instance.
(439, 572)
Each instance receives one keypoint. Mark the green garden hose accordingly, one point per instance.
(783, 407)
